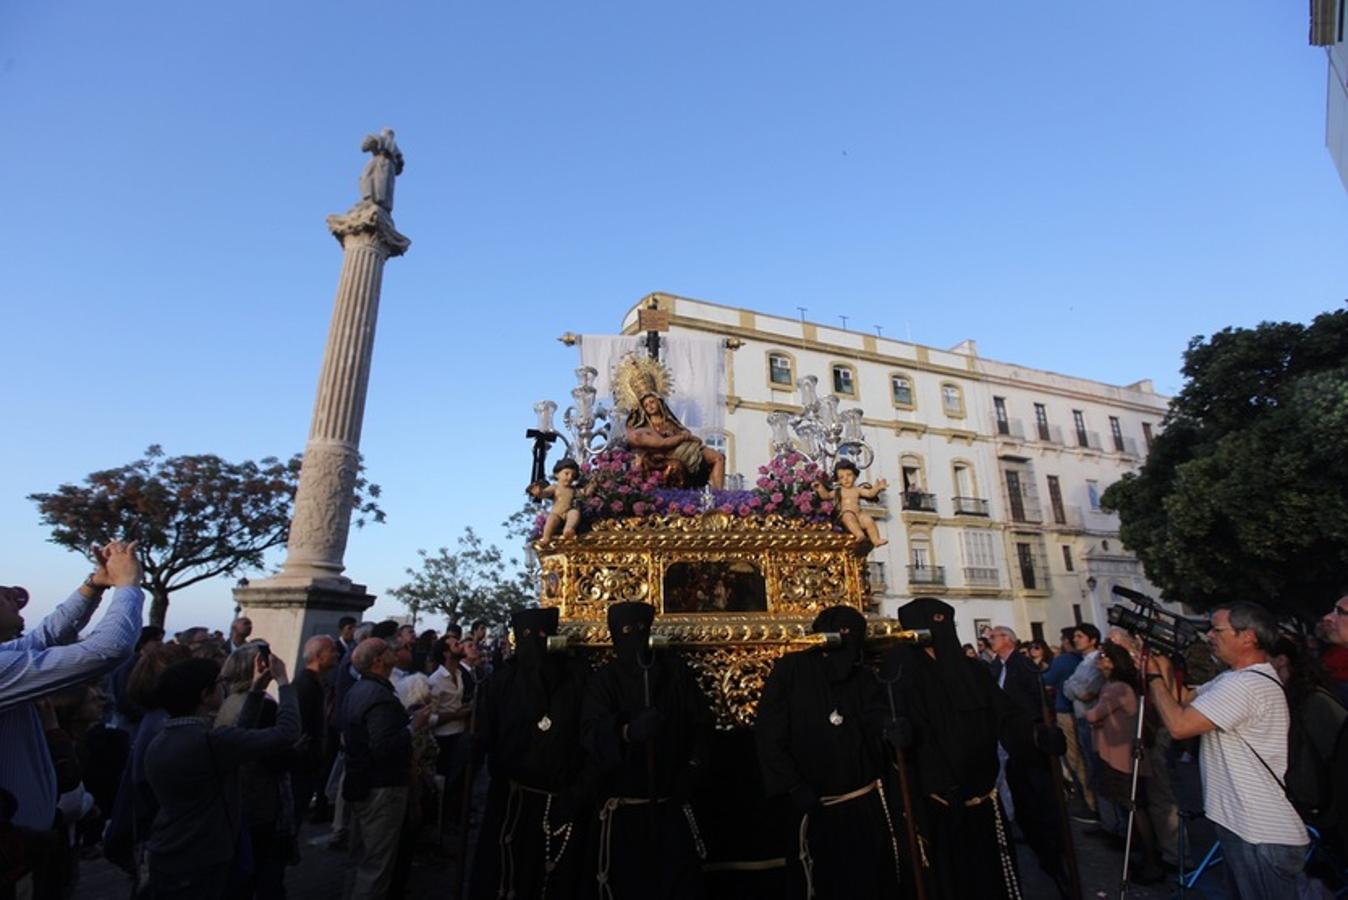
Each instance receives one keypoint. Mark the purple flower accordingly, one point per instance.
(689, 509)
(755, 502)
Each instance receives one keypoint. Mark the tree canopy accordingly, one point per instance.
(1244, 495)
(477, 581)
(195, 517)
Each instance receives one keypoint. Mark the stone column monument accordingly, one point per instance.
(310, 593)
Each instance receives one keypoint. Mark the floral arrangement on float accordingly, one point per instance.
(613, 486)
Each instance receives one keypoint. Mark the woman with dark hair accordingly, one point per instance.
(134, 810)
(1041, 655)
(1114, 721)
(1317, 768)
(194, 771)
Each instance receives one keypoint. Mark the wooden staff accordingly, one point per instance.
(1059, 790)
(906, 800)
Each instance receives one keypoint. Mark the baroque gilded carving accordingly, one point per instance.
(805, 567)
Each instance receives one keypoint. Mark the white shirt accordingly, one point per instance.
(446, 697)
(1250, 712)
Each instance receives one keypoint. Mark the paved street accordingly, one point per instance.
(321, 873)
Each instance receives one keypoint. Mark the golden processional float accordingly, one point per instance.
(736, 573)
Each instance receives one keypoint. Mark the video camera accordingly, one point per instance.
(1158, 627)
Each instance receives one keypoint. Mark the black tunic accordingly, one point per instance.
(827, 735)
(957, 726)
(643, 849)
(529, 727)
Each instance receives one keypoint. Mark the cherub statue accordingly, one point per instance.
(848, 495)
(563, 493)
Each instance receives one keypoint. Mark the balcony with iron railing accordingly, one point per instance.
(1048, 434)
(981, 576)
(918, 501)
(970, 506)
(1067, 518)
(926, 575)
(1008, 429)
(1090, 440)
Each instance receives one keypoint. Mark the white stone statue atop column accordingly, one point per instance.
(311, 592)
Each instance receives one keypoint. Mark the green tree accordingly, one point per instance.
(1245, 493)
(195, 517)
(477, 581)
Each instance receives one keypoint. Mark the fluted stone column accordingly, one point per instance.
(332, 457)
(310, 593)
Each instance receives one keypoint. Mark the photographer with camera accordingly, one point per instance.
(1243, 719)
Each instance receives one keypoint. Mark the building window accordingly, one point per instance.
(901, 391)
(1146, 434)
(1025, 557)
(999, 409)
(1037, 631)
(1093, 492)
(876, 575)
(718, 441)
(1116, 431)
(1041, 421)
(1055, 500)
(980, 558)
(952, 400)
(1079, 420)
(844, 380)
(781, 370)
(1067, 558)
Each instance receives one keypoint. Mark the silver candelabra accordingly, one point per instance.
(587, 422)
(823, 434)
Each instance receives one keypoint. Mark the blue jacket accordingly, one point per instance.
(1062, 667)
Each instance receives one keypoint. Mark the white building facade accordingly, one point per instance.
(995, 470)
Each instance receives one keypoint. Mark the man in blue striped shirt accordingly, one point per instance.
(51, 658)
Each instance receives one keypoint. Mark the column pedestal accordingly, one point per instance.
(288, 615)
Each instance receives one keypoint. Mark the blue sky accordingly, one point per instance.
(1078, 188)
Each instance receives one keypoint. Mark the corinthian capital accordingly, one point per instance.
(369, 221)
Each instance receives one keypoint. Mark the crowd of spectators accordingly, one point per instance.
(1265, 740)
(192, 761)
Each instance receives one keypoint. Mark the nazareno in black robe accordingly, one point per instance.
(823, 731)
(533, 836)
(641, 849)
(958, 716)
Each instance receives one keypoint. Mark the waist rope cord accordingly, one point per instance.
(1009, 880)
(807, 861)
(506, 839)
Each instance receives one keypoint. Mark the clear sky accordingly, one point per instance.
(1079, 187)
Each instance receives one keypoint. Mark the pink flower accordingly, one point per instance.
(770, 508)
(744, 509)
(794, 459)
(755, 502)
(624, 489)
(826, 507)
(777, 497)
(727, 508)
(639, 508)
(616, 506)
(689, 509)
